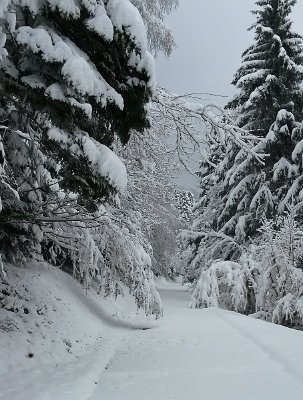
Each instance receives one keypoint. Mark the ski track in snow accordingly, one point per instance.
(273, 351)
(190, 354)
(206, 354)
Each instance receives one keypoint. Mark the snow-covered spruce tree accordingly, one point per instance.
(269, 106)
(75, 75)
(271, 72)
(196, 236)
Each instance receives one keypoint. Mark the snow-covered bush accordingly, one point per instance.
(102, 250)
(267, 282)
(279, 253)
(224, 284)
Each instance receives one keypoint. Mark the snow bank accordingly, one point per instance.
(46, 319)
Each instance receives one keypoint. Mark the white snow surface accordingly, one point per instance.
(125, 16)
(190, 354)
(101, 23)
(72, 335)
(3, 7)
(77, 69)
(105, 162)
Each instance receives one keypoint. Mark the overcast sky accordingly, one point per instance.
(211, 35)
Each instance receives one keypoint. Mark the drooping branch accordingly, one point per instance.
(197, 125)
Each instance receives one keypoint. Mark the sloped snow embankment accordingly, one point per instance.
(55, 340)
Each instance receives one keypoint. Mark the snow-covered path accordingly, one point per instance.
(189, 355)
(205, 354)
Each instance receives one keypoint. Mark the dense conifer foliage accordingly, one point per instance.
(269, 105)
(75, 77)
(270, 75)
(238, 191)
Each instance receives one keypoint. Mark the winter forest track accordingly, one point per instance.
(189, 354)
(205, 354)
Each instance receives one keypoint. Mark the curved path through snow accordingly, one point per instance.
(188, 355)
(205, 355)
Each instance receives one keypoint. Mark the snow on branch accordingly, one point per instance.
(77, 70)
(185, 115)
(226, 276)
(126, 17)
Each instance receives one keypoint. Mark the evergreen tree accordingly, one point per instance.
(271, 72)
(197, 237)
(241, 191)
(269, 105)
(73, 76)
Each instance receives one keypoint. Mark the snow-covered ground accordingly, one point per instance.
(190, 354)
(206, 354)
(55, 340)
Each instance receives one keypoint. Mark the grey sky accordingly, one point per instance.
(211, 35)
